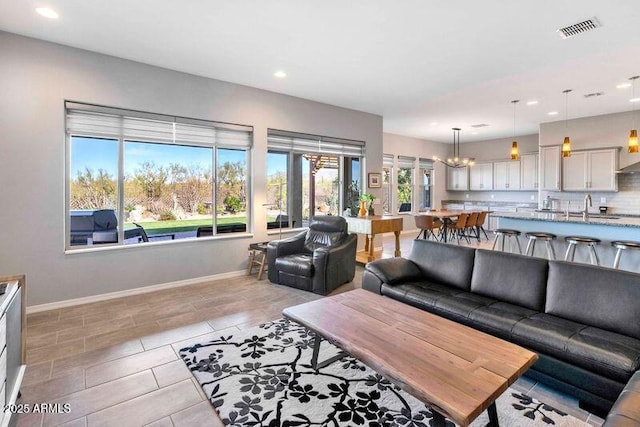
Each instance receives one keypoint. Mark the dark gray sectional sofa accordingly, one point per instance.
(582, 320)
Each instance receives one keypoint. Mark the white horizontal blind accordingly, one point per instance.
(314, 145)
(387, 160)
(406, 162)
(114, 123)
(426, 163)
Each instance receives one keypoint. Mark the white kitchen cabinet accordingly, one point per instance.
(458, 179)
(506, 175)
(590, 170)
(481, 176)
(529, 172)
(550, 168)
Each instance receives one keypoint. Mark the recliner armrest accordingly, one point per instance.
(393, 271)
(278, 248)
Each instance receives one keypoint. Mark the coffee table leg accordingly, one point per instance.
(493, 415)
(438, 418)
(316, 350)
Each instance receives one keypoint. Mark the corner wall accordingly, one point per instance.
(35, 79)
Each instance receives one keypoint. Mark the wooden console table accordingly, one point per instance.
(370, 226)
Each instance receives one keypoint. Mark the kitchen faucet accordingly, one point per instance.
(585, 212)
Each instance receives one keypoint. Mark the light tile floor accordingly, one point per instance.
(116, 363)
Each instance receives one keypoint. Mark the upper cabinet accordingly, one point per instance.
(506, 175)
(481, 176)
(529, 172)
(458, 179)
(590, 170)
(550, 168)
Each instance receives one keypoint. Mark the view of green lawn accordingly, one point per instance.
(179, 226)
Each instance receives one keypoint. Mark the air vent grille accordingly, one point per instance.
(480, 125)
(579, 28)
(591, 95)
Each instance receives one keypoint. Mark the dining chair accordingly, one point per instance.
(457, 227)
(425, 224)
(482, 217)
(470, 226)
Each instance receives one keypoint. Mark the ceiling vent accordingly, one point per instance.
(480, 125)
(579, 28)
(594, 94)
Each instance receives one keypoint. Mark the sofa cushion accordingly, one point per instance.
(606, 353)
(596, 296)
(499, 318)
(297, 265)
(461, 305)
(419, 294)
(517, 279)
(442, 263)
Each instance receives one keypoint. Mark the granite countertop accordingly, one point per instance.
(574, 218)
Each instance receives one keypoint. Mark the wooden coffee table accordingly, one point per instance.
(456, 370)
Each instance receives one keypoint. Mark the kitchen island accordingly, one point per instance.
(605, 227)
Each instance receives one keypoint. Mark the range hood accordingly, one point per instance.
(632, 168)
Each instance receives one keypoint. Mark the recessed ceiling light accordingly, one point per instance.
(280, 74)
(623, 85)
(434, 123)
(532, 102)
(47, 12)
(552, 113)
(634, 100)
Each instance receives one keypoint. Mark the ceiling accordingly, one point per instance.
(424, 65)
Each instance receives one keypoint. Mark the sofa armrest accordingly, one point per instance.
(392, 271)
(626, 409)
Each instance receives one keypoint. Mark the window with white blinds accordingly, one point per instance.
(310, 144)
(425, 163)
(310, 175)
(136, 177)
(104, 122)
(406, 162)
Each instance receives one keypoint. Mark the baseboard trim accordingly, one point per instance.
(135, 291)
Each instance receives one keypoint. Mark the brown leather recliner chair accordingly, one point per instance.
(318, 260)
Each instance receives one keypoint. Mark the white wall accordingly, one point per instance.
(35, 79)
(609, 130)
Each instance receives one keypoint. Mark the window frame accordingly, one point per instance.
(121, 140)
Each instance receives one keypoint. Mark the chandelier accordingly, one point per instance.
(456, 161)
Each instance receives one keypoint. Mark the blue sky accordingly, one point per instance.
(103, 154)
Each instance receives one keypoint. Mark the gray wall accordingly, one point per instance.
(36, 77)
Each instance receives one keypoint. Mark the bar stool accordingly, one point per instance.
(501, 233)
(622, 245)
(534, 236)
(574, 241)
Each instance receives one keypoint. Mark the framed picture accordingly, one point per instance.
(375, 180)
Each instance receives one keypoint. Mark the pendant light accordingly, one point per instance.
(515, 155)
(633, 135)
(456, 161)
(566, 144)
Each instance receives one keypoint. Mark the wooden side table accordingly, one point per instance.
(257, 257)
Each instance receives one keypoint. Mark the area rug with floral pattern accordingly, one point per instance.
(263, 377)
